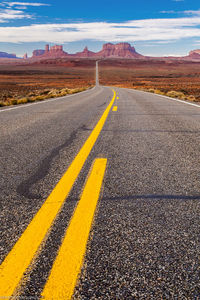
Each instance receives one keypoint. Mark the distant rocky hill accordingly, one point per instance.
(38, 52)
(50, 52)
(109, 50)
(195, 54)
(85, 53)
(7, 55)
(124, 50)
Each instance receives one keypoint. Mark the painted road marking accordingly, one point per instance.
(117, 97)
(114, 108)
(28, 246)
(67, 266)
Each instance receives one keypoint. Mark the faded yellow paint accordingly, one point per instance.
(67, 266)
(114, 108)
(28, 246)
(117, 97)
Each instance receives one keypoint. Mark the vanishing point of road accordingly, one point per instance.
(100, 197)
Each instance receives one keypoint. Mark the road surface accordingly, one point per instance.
(140, 167)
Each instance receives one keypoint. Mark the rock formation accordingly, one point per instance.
(38, 52)
(47, 48)
(124, 50)
(195, 54)
(55, 51)
(109, 50)
(7, 55)
(85, 53)
(197, 51)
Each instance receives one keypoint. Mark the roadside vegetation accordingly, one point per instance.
(174, 79)
(29, 82)
(39, 96)
(172, 94)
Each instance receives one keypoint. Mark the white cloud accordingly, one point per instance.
(168, 12)
(15, 10)
(25, 4)
(192, 12)
(21, 7)
(137, 30)
(153, 43)
(184, 12)
(10, 14)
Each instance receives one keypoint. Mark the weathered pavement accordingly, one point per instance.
(144, 242)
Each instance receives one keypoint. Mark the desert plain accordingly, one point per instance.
(22, 81)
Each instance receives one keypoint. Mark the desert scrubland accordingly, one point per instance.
(27, 82)
(179, 79)
(22, 82)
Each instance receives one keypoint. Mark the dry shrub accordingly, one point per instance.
(62, 94)
(5, 103)
(175, 94)
(159, 92)
(13, 101)
(22, 100)
(31, 94)
(53, 92)
(47, 94)
(191, 98)
(65, 91)
(32, 99)
(39, 98)
(151, 90)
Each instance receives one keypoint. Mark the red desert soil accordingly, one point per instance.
(162, 75)
(19, 79)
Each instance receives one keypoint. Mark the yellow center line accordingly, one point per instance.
(114, 108)
(29, 244)
(67, 266)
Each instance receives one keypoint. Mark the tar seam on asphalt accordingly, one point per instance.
(24, 188)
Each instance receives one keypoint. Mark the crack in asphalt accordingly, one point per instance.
(85, 128)
(102, 104)
(23, 189)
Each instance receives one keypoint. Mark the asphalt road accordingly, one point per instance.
(145, 241)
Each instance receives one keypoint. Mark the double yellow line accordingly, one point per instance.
(67, 265)
(29, 245)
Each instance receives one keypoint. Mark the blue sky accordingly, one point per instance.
(154, 27)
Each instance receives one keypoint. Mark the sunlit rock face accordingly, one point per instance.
(55, 51)
(85, 53)
(38, 52)
(195, 54)
(124, 50)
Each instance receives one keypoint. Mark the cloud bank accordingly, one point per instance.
(135, 30)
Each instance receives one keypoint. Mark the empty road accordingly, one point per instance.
(100, 197)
